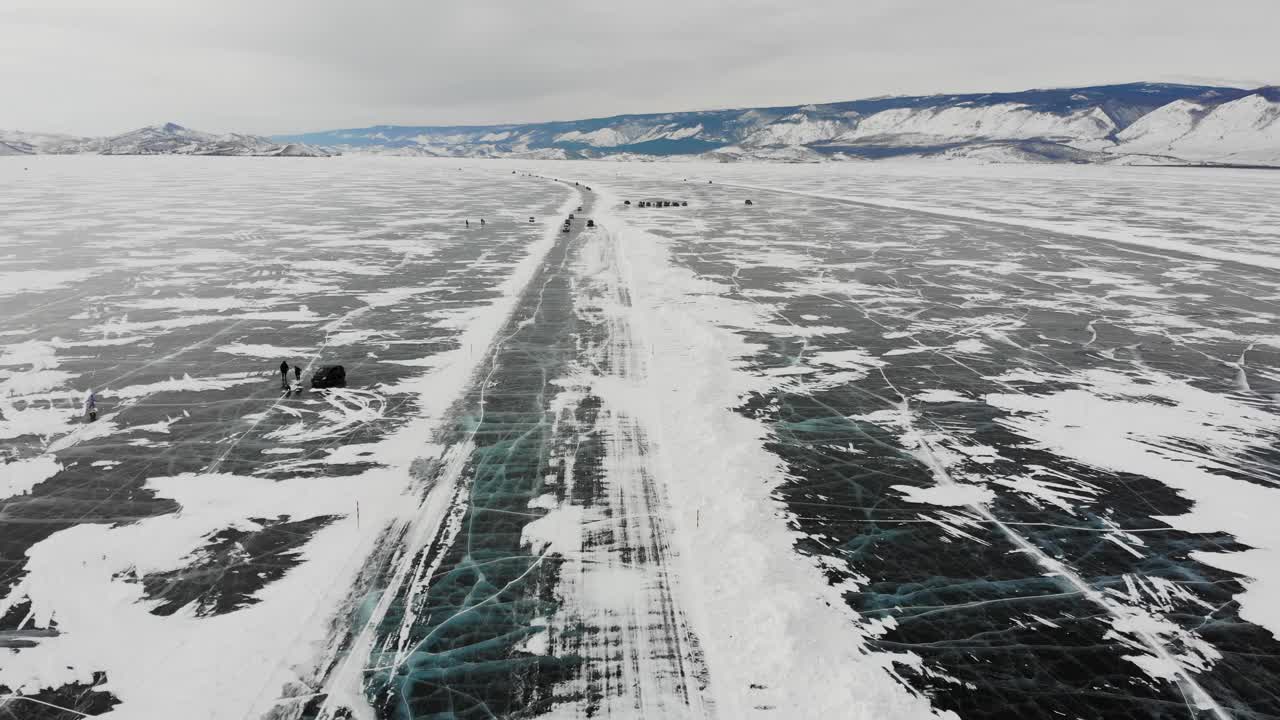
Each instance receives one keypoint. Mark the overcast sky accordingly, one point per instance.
(274, 66)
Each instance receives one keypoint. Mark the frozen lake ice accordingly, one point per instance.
(895, 440)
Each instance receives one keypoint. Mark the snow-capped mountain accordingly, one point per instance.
(166, 139)
(1120, 124)
(16, 142)
(802, 128)
(1137, 122)
(174, 139)
(1243, 131)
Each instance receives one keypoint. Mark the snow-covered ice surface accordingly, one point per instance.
(187, 555)
(915, 440)
(1226, 215)
(1045, 474)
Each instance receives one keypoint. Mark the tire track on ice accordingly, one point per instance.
(620, 607)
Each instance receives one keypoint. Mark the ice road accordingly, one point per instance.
(912, 440)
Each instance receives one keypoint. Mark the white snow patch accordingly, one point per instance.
(559, 531)
(946, 495)
(273, 352)
(1115, 425)
(942, 396)
(157, 663)
(22, 475)
(850, 359)
(23, 281)
(186, 383)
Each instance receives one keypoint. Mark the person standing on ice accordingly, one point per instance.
(297, 374)
(284, 373)
(91, 406)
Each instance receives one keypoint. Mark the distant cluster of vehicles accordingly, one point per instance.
(667, 203)
(659, 203)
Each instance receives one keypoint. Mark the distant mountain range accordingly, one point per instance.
(1133, 123)
(167, 139)
(1137, 123)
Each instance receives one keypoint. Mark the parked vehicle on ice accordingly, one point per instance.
(329, 376)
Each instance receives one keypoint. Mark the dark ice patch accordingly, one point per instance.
(233, 565)
(17, 629)
(67, 702)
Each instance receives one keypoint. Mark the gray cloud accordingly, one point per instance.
(289, 65)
